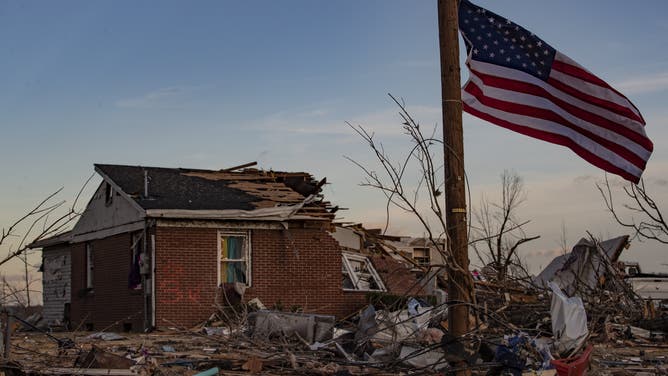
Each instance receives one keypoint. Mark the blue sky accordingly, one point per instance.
(212, 84)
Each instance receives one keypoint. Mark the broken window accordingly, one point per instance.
(234, 252)
(89, 266)
(359, 274)
(421, 256)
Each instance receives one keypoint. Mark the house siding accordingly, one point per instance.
(56, 283)
(295, 268)
(100, 215)
(111, 305)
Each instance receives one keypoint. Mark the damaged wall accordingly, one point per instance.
(299, 268)
(56, 283)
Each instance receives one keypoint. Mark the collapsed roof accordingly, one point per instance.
(180, 192)
(584, 265)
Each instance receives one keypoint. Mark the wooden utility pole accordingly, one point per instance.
(459, 285)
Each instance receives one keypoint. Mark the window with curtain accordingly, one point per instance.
(234, 258)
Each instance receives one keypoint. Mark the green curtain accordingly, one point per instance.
(233, 248)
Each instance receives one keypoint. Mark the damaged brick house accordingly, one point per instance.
(157, 247)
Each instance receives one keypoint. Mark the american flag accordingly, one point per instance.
(519, 82)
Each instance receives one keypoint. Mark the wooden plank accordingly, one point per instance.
(86, 371)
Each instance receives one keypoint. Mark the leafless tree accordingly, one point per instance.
(48, 218)
(395, 180)
(498, 232)
(646, 219)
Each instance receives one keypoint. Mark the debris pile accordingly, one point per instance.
(579, 315)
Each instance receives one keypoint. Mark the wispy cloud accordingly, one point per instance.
(644, 84)
(327, 121)
(167, 97)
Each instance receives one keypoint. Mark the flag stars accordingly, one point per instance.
(498, 40)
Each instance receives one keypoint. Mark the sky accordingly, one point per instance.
(214, 84)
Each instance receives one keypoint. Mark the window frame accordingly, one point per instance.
(422, 260)
(347, 268)
(90, 266)
(136, 249)
(108, 194)
(247, 255)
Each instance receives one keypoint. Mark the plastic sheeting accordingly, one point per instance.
(569, 320)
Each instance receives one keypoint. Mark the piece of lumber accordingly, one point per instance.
(86, 371)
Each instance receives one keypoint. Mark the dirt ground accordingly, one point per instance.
(186, 353)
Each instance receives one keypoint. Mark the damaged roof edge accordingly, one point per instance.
(265, 214)
(64, 237)
(277, 213)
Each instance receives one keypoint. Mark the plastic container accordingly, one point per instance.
(574, 366)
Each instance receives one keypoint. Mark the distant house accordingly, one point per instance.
(160, 247)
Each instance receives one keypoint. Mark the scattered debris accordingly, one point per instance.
(520, 328)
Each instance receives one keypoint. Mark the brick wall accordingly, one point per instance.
(110, 305)
(185, 275)
(300, 267)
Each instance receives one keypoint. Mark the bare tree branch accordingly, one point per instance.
(427, 191)
(646, 221)
(497, 227)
